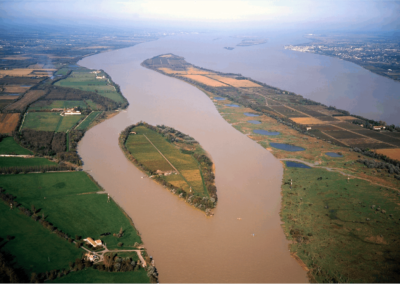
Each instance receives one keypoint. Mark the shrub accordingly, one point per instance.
(120, 244)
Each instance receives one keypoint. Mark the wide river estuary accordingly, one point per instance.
(186, 245)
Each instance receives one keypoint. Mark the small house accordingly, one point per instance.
(89, 256)
(308, 128)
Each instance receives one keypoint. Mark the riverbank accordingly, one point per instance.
(64, 204)
(319, 255)
(190, 176)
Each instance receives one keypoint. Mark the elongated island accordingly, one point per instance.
(340, 194)
(173, 159)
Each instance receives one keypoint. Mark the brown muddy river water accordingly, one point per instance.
(186, 245)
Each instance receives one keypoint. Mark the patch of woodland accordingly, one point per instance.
(65, 93)
(49, 143)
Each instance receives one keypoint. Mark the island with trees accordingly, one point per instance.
(173, 159)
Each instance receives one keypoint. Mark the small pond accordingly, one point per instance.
(292, 164)
(219, 98)
(265, 132)
(251, 114)
(333, 154)
(232, 105)
(254, 121)
(286, 147)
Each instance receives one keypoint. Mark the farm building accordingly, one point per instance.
(71, 111)
(379, 127)
(89, 256)
(94, 243)
(100, 77)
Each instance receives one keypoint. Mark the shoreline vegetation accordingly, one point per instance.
(42, 233)
(339, 211)
(174, 160)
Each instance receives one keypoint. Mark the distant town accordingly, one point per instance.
(379, 54)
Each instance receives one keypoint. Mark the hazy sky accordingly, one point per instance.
(329, 13)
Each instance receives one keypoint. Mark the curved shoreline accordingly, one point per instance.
(172, 188)
(235, 200)
(301, 233)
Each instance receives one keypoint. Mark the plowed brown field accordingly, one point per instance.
(8, 122)
(391, 153)
(27, 99)
(234, 82)
(205, 80)
(306, 120)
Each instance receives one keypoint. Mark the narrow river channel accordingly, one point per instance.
(186, 245)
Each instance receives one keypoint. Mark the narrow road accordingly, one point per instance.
(162, 154)
(101, 254)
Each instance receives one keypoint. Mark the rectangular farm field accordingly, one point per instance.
(391, 153)
(89, 119)
(342, 134)
(50, 104)
(8, 122)
(87, 81)
(27, 99)
(379, 136)
(326, 118)
(392, 134)
(86, 215)
(146, 154)
(307, 110)
(349, 126)
(44, 121)
(24, 162)
(68, 122)
(5, 102)
(325, 127)
(93, 105)
(8, 146)
(33, 245)
(376, 145)
(287, 111)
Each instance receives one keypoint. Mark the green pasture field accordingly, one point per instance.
(61, 197)
(10, 147)
(45, 121)
(94, 276)
(24, 162)
(35, 248)
(50, 121)
(48, 105)
(146, 154)
(68, 122)
(92, 104)
(62, 71)
(87, 81)
(335, 230)
(91, 117)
